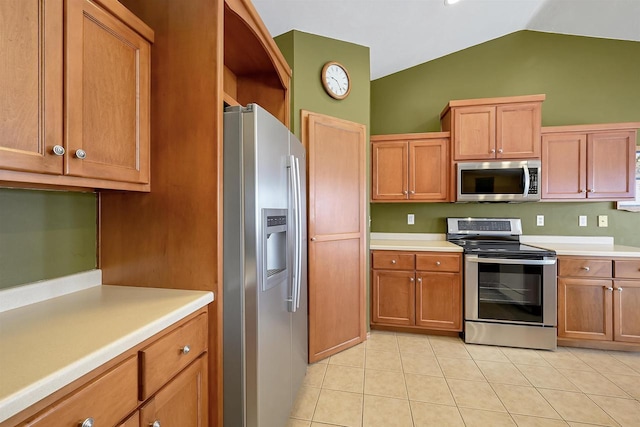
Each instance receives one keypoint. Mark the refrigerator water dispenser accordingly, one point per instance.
(275, 247)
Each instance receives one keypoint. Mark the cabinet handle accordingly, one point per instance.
(58, 150)
(81, 154)
(87, 423)
(437, 262)
(313, 239)
(393, 261)
(619, 289)
(493, 150)
(609, 288)
(186, 349)
(404, 192)
(419, 279)
(585, 268)
(500, 150)
(592, 190)
(582, 191)
(413, 192)
(156, 423)
(411, 279)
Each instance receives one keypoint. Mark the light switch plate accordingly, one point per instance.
(603, 221)
(411, 219)
(540, 220)
(582, 220)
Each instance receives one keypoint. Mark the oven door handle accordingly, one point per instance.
(475, 258)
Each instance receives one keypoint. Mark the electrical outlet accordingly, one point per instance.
(582, 220)
(411, 219)
(540, 220)
(603, 221)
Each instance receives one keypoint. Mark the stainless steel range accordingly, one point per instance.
(510, 288)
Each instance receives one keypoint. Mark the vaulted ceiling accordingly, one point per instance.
(404, 33)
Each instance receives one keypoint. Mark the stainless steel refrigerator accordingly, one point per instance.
(265, 268)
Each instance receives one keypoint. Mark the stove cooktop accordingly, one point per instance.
(497, 248)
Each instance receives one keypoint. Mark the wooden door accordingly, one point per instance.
(429, 170)
(611, 165)
(474, 133)
(393, 297)
(564, 163)
(439, 300)
(107, 96)
(584, 309)
(183, 401)
(626, 315)
(389, 161)
(518, 131)
(31, 85)
(337, 228)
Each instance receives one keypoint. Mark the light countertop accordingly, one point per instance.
(562, 245)
(49, 344)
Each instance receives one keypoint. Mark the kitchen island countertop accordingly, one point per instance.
(49, 344)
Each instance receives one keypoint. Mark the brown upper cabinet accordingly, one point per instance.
(589, 162)
(78, 95)
(410, 167)
(494, 128)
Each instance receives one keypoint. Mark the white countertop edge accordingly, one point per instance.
(31, 293)
(37, 391)
(407, 236)
(580, 240)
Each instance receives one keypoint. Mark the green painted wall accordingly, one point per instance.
(586, 80)
(45, 234)
(306, 54)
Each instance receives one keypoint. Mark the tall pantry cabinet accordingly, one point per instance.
(207, 54)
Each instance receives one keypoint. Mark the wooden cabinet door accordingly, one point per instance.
(584, 309)
(474, 133)
(429, 169)
(132, 421)
(518, 131)
(389, 161)
(564, 164)
(183, 401)
(611, 165)
(393, 297)
(337, 228)
(107, 96)
(31, 85)
(439, 300)
(626, 312)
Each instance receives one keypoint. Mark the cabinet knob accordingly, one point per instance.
(609, 288)
(437, 262)
(81, 154)
(493, 150)
(156, 423)
(404, 192)
(393, 261)
(87, 423)
(419, 279)
(411, 279)
(58, 150)
(591, 190)
(500, 150)
(585, 268)
(413, 192)
(582, 191)
(619, 289)
(313, 239)
(186, 349)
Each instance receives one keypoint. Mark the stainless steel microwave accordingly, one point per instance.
(496, 181)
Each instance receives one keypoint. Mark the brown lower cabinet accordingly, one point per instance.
(416, 290)
(598, 301)
(119, 393)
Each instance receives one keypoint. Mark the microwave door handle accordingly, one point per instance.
(527, 180)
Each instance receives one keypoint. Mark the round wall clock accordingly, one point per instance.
(335, 80)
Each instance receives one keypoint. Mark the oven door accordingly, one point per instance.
(507, 290)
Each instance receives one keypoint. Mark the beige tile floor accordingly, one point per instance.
(416, 380)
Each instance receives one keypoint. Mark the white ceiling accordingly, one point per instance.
(404, 33)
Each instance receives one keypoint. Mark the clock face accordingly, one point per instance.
(336, 80)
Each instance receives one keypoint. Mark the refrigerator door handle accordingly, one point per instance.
(299, 233)
(294, 195)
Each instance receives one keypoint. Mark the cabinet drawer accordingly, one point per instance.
(627, 269)
(585, 267)
(438, 262)
(163, 359)
(391, 260)
(107, 400)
